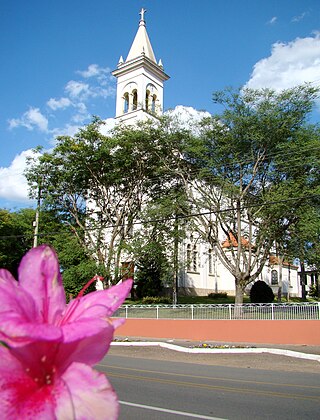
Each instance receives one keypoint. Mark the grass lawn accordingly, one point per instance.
(196, 300)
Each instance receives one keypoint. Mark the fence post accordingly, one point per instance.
(230, 313)
(319, 310)
(272, 311)
(126, 311)
(157, 311)
(191, 311)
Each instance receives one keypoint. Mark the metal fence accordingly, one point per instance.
(247, 311)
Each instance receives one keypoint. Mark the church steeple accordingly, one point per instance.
(141, 44)
(139, 79)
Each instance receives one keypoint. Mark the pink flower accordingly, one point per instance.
(49, 347)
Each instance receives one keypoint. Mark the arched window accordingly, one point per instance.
(135, 100)
(189, 258)
(195, 258)
(147, 99)
(192, 258)
(153, 104)
(274, 277)
(126, 102)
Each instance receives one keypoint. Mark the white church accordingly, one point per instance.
(140, 91)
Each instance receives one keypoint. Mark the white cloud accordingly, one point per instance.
(80, 118)
(92, 71)
(272, 21)
(67, 130)
(290, 64)
(78, 95)
(13, 184)
(77, 89)
(187, 117)
(83, 91)
(31, 119)
(187, 114)
(102, 74)
(61, 103)
(300, 17)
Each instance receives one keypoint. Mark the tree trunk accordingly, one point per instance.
(175, 263)
(280, 261)
(303, 281)
(239, 294)
(238, 301)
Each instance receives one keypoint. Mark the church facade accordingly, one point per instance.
(140, 87)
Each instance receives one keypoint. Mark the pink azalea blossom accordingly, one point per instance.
(50, 347)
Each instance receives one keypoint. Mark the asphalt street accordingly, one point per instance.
(154, 383)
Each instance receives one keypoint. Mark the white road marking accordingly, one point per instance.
(166, 410)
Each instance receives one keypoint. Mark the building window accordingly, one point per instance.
(195, 258)
(153, 104)
(126, 102)
(189, 257)
(147, 99)
(274, 277)
(135, 100)
(192, 258)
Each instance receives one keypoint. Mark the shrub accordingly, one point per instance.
(155, 299)
(313, 291)
(261, 292)
(218, 295)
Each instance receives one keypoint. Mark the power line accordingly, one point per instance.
(285, 163)
(270, 155)
(181, 217)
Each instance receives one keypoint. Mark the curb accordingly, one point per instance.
(174, 347)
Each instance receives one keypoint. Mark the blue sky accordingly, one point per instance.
(56, 58)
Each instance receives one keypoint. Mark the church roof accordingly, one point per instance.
(274, 260)
(141, 44)
(231, 242)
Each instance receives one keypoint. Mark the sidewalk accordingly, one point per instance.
(209, 347)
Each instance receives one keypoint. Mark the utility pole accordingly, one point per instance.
(175, 262)
(36, 222)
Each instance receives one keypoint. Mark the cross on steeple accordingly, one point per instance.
(142, 12)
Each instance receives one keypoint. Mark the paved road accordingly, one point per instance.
(164, 389)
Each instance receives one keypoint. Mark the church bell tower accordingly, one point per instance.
(139, 80)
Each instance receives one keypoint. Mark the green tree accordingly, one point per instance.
(244, 191)
(230, 181)
(16, 236)
(99, 185)
(152, 270)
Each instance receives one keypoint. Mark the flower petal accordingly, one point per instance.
(89, 349)
(39, 273)
(92, 395)
(20, 396)
(18, 315)
(99, 304)
(14, 299)
(16, 333)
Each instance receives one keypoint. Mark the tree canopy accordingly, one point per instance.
(249, 174)
(245, 180)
